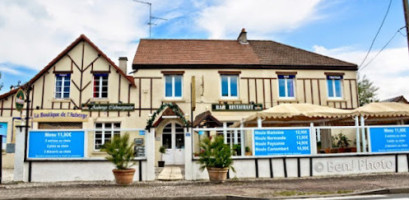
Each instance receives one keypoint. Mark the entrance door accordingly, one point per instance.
(173, 138)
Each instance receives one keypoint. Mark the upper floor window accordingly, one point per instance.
(173, 86)
(229, 85)
(62, 86)
(334, 86)
(286, 86)
(100, 85)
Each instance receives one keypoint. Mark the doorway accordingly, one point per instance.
(173, 139)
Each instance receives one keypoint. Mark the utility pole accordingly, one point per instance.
(150, 16)
(406, 14)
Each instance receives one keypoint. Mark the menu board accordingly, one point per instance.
(389, 139)
(281, 142)
(56, 144)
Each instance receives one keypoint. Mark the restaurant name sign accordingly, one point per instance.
(109, 107)
(236, 107)
(59, 116)
(20, 98)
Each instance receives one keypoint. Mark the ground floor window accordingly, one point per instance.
(105, 132)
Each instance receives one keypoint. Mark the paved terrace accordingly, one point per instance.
(262, 188)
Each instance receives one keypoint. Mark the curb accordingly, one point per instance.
(385, 191)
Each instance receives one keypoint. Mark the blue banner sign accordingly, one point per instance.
(56, 144)
(3, 133)
(389, 139)
(282, 142)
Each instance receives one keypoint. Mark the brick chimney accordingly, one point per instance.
(242, 39)
(122, 64)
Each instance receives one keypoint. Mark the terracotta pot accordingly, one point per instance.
(217, 175)
(124, 176)
(249, 153)
(161, 163)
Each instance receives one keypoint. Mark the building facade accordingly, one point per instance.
(230, 80)
(233, 79)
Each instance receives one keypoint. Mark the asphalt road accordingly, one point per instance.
(260, 188)
(363, 197)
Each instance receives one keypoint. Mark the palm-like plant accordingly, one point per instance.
(120, 151)
(215, 154)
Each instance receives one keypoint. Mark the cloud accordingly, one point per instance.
(389, 71)
(262, 17)
(33, 32)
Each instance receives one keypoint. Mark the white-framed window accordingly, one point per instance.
(100, 86)
(105, 131)
(286, 86)
(173, 86)
(334, 84)
(229, 86)
(62, 86)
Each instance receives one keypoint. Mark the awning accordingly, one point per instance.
(302, 113)
(306, 113)
(383, 109)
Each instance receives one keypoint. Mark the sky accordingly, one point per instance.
(34, 32)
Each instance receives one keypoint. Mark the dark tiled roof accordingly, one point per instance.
(208, 119)
(194, 52)
(401, 99)
(229, 53)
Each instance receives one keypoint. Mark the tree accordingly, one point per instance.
(366, 91)
(1, 84)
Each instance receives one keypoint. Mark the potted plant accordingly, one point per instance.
(121, 152)
(215, 156)
(248, 151)
(343, 142)
(237, 150)
(162, 150)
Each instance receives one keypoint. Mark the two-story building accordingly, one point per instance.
(232, 79)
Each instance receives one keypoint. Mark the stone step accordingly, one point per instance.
(170, 173)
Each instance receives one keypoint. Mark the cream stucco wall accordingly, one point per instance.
(255, 85)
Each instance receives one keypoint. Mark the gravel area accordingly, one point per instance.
(265, 188)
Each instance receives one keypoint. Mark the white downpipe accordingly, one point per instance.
(313, 139)
(259, 122)
(225, 132)
(188, 155)
(20, 171)
(358, 136)
(236, 140)
(363, 134)
(150, 155)
(243, 143)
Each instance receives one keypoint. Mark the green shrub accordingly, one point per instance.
(214, 153)
(120, 151)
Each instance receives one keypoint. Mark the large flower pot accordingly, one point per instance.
(217, 175)
(124, 176)
(161, 163)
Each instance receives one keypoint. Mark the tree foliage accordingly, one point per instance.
(1, 84)
(366, 91)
